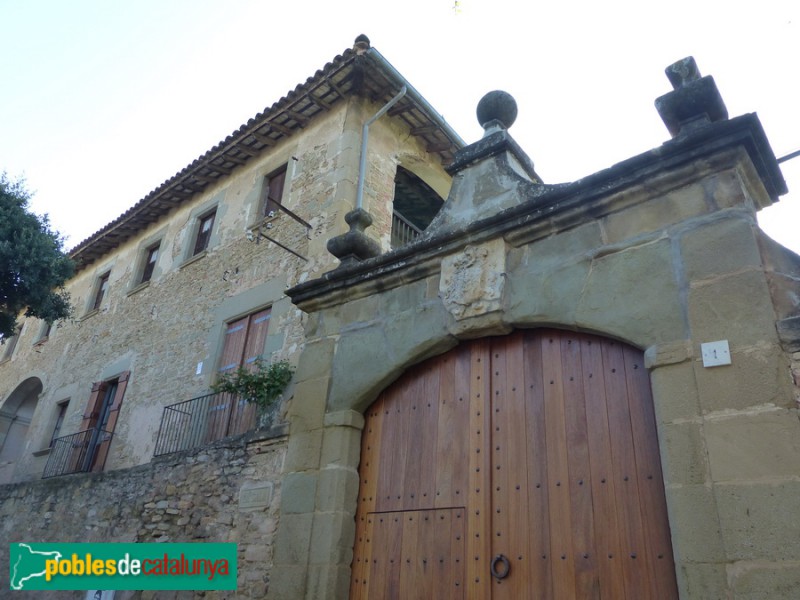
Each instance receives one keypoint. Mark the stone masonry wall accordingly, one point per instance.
(168, 333)
(229, 492)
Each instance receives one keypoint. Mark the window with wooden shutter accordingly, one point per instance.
(205, 226)
(102, 413)
(150, 258)
(273, 192)
(101, 290)
(243, 346)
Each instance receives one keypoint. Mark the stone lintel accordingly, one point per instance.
(543, 210)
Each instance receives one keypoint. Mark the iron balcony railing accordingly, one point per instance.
(78, 453)
(403, 231)
(202, 420)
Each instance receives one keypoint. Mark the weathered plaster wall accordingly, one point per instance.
(229, 492)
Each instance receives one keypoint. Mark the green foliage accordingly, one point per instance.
(262, 385)
(33, 265)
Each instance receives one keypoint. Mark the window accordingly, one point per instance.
(9, 344)
(244, 341)
(272, 194)
(61, 412)
(100, 421)
(44, 334)
(102, 288)
(415, 206)
(244, 344)
(205, 225)
(150, 258)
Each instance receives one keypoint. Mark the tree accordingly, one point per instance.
(33, 265)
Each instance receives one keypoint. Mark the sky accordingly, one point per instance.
(104, 100)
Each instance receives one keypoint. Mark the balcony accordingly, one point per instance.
(202, 420)
(80, 452)
(403, 231)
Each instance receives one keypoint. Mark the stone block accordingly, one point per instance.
(766, 581)
(758, 522)
(316, 359)
(307, 409)
(292, 541)
(656, 213)
(750, 447)
(360, 310)
(287, 582)
(719, 247)
(685, 459)
(551, 296)
(756, 376)
(361, 364)
(337, 489)
(304, 451)
(332, 538)
(402, 298)
(341, 446)
(298, 493)
(634, 293)
(703, 581)
(328, 582)
(419, 333)
(737, 308)
(693, 520)
(675, 395)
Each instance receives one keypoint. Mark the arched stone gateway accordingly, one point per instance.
(536, 471)
(522, 466)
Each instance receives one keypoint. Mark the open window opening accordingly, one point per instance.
(415, 205)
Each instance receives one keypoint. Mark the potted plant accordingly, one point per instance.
(261, 385)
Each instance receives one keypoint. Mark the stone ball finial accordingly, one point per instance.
(362, 40)
(497, 106)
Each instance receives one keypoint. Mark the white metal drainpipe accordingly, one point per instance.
(362, 166)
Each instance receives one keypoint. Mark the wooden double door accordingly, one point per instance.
(518, 467)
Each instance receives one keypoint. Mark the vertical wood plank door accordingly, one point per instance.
(517, 467)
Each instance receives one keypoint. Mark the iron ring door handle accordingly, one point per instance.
(506, 568)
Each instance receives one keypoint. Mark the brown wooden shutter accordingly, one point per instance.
(274, 194)
(256, 337)
(104, 441)
(92, 412)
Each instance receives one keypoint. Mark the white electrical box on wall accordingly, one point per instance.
(716, 354)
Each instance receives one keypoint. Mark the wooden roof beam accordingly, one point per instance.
(281, 128)
(302, 120)
(263, 139)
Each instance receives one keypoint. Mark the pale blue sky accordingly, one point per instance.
(102, 101)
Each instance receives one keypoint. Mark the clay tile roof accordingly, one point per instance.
(354, 72)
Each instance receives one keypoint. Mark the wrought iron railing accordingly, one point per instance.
(78, 453)
(403, 231)
(202, 420)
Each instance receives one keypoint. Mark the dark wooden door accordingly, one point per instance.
(535, 454)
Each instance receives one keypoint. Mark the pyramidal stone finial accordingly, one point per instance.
(497, 109)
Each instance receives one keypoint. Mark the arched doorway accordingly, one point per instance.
(15, 417)
(523, 466)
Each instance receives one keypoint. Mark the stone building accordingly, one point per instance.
(582, 390)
